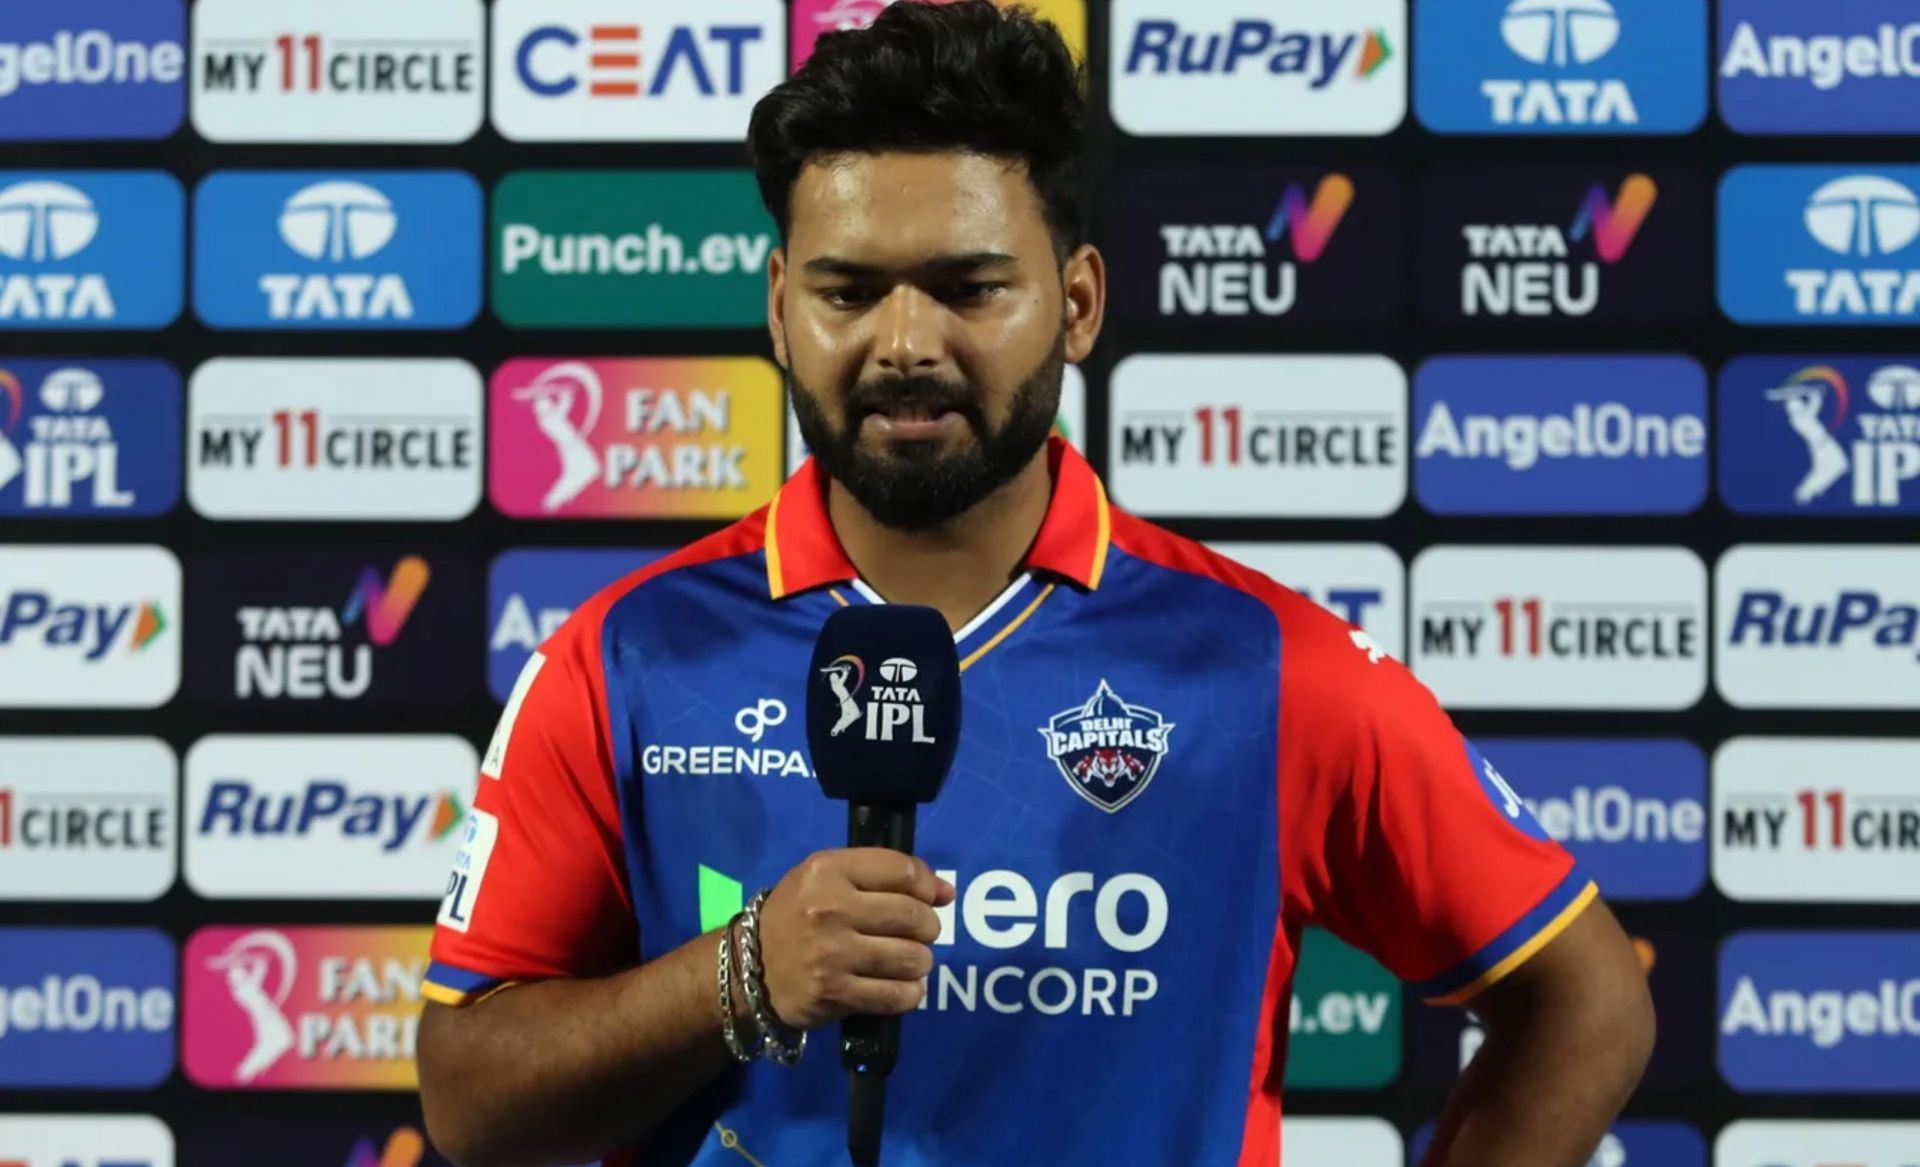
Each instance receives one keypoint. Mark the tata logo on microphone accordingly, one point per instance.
(892, 704)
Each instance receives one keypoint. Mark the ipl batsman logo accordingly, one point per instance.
(1106, 749)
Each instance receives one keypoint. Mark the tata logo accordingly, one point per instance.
(94, 440)
(98, 249)
(1788, 67)
(1820, 245)
(1562, 66)
(1820, 435)
(392, 250)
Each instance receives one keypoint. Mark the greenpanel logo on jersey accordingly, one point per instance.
(630, 249)
(1345, 1023)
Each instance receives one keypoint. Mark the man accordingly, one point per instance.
(1170, 764)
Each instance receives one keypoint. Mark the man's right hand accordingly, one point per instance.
(846, 932)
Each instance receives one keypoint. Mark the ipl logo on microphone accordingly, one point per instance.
(892, 704)
(1106, 749)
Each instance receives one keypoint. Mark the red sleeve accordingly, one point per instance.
(539, 888)
(1397, 835)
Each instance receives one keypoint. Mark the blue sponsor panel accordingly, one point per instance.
(1820, 435)
(1835, 67)
(1560, 435)
(86, 1008)
(89, 438)
(90, 249)
(1632, 812)
(1627, 1144)
(530, 593)
(93, 69)
(337, 249)
(1561, 66)
(1820, 245)
(1820, 1012)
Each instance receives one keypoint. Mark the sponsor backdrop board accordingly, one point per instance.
(1564, 348)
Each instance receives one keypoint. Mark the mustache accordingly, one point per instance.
(929, 394)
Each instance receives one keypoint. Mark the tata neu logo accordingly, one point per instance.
(87, 818)
(1259, 435)
(1820, 245)
(1824, 819)
(291, 250)
(601, 70)
(90, 249)
(1244, 250)
(1562, 244)
(106, 69)
(1562, 66)
(1284, 67)
(1818, 626)
(303, 626)
(687, 437)
(1560, 627)
(93, 439)
(1821, 435)
(359, 817)
(337, 70)
(303, 1008)
(1820, 1012)
(346, 438)
(530, 594)
(1788, 67)
(89, 627)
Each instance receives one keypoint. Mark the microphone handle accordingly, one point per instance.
(869, 1046)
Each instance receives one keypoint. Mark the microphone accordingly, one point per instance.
(883, 722)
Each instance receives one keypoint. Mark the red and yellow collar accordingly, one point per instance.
(804, 553)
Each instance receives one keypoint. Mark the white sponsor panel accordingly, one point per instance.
(1072, 418)
(1258, 436)
(333, 817)
(1818, 626)
(85, 1140)
(87, 819)
(1276, 67)
(1560, 627)
(1834, 820)
(89, 627)
(1364, 584)
(1816, 1143)
(338, 70)
(350, 438)
(1349, 1142)
(480, 832)
(611, 70)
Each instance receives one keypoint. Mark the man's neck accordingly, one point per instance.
(958, 568)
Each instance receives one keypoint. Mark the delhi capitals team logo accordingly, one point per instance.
(1106, 749)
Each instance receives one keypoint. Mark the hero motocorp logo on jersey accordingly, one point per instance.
(1793, 67)
(310, 249)
(1561, 66)
(90, 249)
(1820, 244)
(93, 69)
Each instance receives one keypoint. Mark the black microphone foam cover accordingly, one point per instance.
(883, 704)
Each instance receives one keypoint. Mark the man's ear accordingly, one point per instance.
(1084, 281)
(777, 305)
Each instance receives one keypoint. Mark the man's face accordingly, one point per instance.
(920, 315)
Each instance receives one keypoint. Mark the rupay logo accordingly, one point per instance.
(89, 627)
(1820, 435)
(93, 69)
(92, 249)
(1597, 66)
(296, 250)
(1560, 435)
(1818, 626)
(530, 593)
(1820, 245)
(1787, 67)
(1820, 1012)
(93, 440)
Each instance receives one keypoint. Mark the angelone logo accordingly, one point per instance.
(90, 249)
(104, 69)
(1820, 1012)
(86, 1008)
(315, 1008)
(1788, 67)
(671, 437)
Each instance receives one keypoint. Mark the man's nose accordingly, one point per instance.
(908, 339)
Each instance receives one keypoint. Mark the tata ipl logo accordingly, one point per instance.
(566, 401)
(1887, 456)
(1614, 224)
(1312, 223)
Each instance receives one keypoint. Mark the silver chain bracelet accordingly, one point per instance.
(773, 1034)
(735, 1046)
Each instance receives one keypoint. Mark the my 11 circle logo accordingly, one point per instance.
(892, 702)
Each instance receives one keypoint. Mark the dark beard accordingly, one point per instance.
(919, 486)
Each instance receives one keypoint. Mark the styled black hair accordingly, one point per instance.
(966, 76)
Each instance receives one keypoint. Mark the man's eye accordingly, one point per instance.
(847, 297)
(970, 292)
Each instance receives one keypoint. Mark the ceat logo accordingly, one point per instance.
(554, 61)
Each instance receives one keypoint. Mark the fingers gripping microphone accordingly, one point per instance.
(883, 721)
